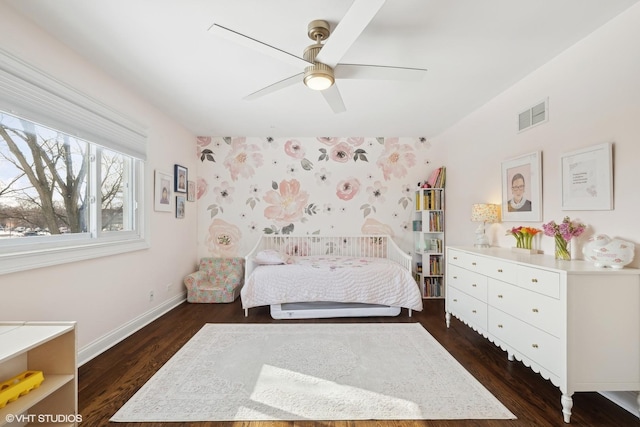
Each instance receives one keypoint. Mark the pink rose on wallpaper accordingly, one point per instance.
(347, 189)
(223, 239)
(201, 187)
(356, 141)
(287, 204)
(372, 226)
(328, 140)
(396, 159)
(341, 152)
(203, 141)
(242, 159)
(294, 149)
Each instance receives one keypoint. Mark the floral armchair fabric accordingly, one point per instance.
(217, 280)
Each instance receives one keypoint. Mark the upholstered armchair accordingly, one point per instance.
(217, 280)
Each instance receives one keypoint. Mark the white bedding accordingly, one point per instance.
(332, 278)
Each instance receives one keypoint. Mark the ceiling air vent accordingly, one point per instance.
(534, 115)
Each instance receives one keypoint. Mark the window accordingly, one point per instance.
(71, 173)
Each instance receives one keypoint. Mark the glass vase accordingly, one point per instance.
(562, 249)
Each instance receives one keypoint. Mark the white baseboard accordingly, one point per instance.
(625, 399)
(107, 341)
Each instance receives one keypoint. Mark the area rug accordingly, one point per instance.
(257, 372)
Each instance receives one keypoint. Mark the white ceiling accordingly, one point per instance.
(473, 50)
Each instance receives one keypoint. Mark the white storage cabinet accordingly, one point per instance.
(576, 325)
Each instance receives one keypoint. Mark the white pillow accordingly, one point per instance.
(270, 257)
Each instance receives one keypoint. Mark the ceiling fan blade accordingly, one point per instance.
(257, 45)
(334, 99)
(378, 72)
(274, 87)
(354, 21)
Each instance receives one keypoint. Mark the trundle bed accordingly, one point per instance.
(329, 276)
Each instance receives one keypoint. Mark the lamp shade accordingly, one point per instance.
(485, 212)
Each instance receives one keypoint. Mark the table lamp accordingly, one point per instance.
(483, 213)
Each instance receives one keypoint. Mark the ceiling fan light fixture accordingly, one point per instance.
(317, 76)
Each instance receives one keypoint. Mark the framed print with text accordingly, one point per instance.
(522, 188)
(587, 179)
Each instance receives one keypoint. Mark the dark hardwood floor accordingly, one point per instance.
(109, 380)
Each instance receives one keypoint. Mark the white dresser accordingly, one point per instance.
(575, 324)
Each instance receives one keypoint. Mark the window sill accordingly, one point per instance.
(11, 263)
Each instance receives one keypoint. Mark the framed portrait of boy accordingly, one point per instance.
(522, 188)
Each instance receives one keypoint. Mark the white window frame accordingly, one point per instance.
(30, 93)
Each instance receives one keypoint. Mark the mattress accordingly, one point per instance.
(322, 278)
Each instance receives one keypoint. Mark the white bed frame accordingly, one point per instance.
(377, 246)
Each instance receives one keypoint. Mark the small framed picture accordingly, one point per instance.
(180, 206)
(180, 176)
(522, 188)
(191, 191)
(162, 192)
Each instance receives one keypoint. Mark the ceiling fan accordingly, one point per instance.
(321, 61)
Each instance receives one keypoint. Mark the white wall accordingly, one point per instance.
(594, 97)
(107, 296)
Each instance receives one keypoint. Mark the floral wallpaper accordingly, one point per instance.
(247, 186)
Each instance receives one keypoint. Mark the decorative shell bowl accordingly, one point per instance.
(606, 252)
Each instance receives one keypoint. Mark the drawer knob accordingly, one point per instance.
(499, 295)
(473, 263)
(474, 285)
(500, 325)
(534, 345)
(535, 310)
(455, 257)
(499, 270)
(455, 277)
(473, 311)
(455, 300)
(534, 280)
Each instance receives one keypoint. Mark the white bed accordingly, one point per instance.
(329, 276)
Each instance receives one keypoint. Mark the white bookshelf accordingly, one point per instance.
(429, 232)
(50, 347)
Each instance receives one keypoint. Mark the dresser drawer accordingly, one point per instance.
(455, 257)
(469, 282)
(467, 309)
(540, 347)
(499, 269)
(538, 310)
(468, 261)
(541, 281)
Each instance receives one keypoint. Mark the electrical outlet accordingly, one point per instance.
(150, 296)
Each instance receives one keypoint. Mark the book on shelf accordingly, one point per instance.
(435, 267)
(432, 287)
(435, 221)
(437, 178)
(433, 245)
